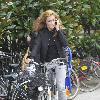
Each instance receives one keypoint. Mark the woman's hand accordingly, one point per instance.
(57, 24)
(27, 60)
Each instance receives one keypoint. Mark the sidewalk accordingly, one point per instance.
(94, 95)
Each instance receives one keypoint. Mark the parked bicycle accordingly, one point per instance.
(8, 75)
(88, 73)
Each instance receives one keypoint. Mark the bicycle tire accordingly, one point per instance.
(75, 85)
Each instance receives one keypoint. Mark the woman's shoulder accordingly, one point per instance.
(34, 34)
(42, 31)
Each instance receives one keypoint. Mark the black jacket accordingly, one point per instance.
(40, 45)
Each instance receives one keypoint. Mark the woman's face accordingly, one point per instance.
(50, 22)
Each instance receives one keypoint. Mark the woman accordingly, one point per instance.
(50, 42)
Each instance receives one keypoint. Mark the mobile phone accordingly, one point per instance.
(56, 22)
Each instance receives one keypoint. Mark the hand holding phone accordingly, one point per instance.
(57, 24)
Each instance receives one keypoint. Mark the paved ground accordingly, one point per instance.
(94, 95)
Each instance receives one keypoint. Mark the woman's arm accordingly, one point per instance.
(62, 38)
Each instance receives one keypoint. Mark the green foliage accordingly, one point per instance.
(78, 17)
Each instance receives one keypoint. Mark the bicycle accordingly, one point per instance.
(70, 78)
(8, 76)
(87, 74)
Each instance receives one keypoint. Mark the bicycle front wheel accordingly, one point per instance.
(74, 85)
